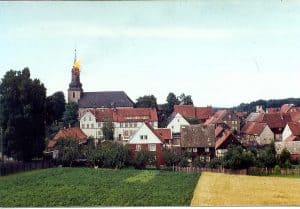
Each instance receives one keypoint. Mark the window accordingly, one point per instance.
(126, 125)
(84, 119)
(90, 118)
(121, 125)
(194, 149)
(207, 149)
(73, 94)
(99, 133)
(99, 124)
(82, 126)
(145, 137)
(135, 125)
(138, 147)
(141, 136)
(152, 147)
(120, 137)
(130, 125)
(92, 125)
(126, 133)
(87, 125)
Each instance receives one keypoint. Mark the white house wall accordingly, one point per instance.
(286, 133)
(176, 123)
(144, 130)
(266, 137)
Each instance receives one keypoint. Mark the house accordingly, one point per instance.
(200, 114)
(291, 132)
(148, 138)
(226, 118)
(199, 140)
(224, 138)
(276, 122)
(165, 135)
(295, 116)
(292, 146)
(73, 133)
(256, 134)
(126, 121)
(96, 100)
(176, 120)
(285, 108)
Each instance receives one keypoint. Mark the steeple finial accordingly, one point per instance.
(75, 58)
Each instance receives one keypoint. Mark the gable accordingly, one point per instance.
(144, 130)
(178, 120)
(86, 117)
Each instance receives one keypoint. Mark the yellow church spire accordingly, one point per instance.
(76, 64)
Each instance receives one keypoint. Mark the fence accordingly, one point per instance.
(215, 170)
(271, 171)
(15, 167)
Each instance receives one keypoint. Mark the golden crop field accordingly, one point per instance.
(216, 189)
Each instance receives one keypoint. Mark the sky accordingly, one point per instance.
(222, 53)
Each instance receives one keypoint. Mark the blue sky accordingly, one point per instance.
(221, 52)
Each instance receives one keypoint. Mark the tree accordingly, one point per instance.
(266, 158)
(108, 130)
(185, 100)
(237, 158)
(68, 151)
(143, 158)
(148, 101)
(284, 158)
(171, 101)
(171, 157)
(70, 116)
(55, 107)
(22, 115)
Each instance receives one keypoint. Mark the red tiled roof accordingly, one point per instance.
(295, 116)
(74, 132)
(218, 130)
(274, 120)
(190, 111)
(241, 114)
(272, 109)
(164, 133)
(253, 128)
(295, 128)
(204, 112)
(185, 110)
(292, 138)
(286, 107)
(216, 118)
(126, 114)
(225, 138)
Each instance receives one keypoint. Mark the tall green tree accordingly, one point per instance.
(108, 130)
(22, 115)
(55, 107)
(70, 116)
(185, 99)
(147, 101)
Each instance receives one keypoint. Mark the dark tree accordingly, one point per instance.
(237, 158)
(55, 107)
(68, 150)
(185, 99)
(146, 101)
(70, 116)
(284, 158)
(108, 130)
(22, 115)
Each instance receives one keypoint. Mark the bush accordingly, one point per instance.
(197, 162)
(143, 158)
(266, 158)
(215, 163)
(284, 158)
(68, 151)
(237, 158)
(277, 170)
(171, 157)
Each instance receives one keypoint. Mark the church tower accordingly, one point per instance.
(75, 87)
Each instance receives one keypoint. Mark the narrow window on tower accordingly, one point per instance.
(73, 94)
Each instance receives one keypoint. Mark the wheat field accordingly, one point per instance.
(216, 189)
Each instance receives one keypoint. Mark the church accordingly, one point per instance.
(94, 100)
(95, 108)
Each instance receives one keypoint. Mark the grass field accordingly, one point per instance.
(101, 187)
(214, 189)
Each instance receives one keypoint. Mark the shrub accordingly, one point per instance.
(197, 162)
(215, 163)
(143, 158)
(171, 157)
(277, 170)
(284, 158)
(68, 151)
(237, 158)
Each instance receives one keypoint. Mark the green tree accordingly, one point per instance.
(237, 158)
(284, 158)
(108, 130)
(266, 158)
(55, 106)
(68, 151)
(22, 115)
(143, 158)
(70, 116)
(185, 99)
(148, 101)
(171, 157)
